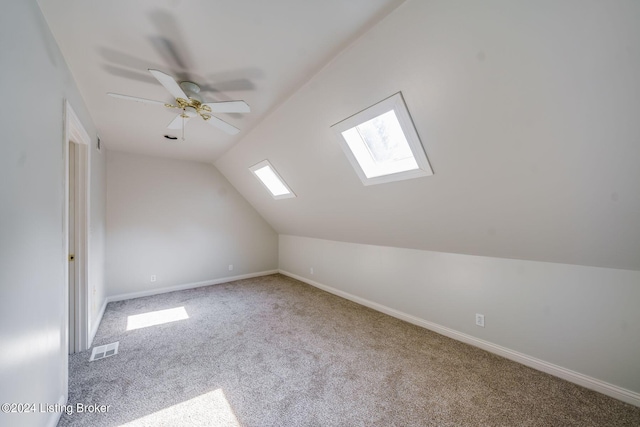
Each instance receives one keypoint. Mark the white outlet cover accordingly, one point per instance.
(153, 277)
(480, 320)
(311, 270)
(230, 267)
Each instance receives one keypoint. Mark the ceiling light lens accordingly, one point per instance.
(269, 178)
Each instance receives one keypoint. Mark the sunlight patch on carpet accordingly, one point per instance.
(153, 318)
(209, 409)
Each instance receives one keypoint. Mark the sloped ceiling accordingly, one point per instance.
(257, 51)
(529, 114)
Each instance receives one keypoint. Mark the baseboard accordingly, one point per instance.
(614, 391)
(96, 323)
(182, 287)
(54, 417)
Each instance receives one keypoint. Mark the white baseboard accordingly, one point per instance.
(54, 417)
(96, 323)
(614, 391)
(164, 290)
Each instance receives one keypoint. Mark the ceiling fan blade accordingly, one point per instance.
(178, 122)
(229, 107)
(221, 124)
(170, 41)
(135, 98)
(169, 83)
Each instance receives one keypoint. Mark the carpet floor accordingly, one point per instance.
(273, 351)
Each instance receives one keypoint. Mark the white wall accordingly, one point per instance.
(97, 233)
(585, 319)
(35, 80)
(181, 221)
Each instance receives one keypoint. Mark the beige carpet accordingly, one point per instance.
(273, 351)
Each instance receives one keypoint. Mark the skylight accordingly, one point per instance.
(382, 144)
(271, 180)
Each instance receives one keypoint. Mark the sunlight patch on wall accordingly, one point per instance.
(153, 318)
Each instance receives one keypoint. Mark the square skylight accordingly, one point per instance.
(382, 144)
(268, 176)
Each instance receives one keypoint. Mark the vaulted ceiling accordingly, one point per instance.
(528, 112)
(257, 51)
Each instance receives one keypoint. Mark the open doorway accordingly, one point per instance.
(76, 225)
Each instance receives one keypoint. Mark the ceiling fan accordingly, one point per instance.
(188, 100)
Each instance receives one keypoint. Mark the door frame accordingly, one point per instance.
(74, 132)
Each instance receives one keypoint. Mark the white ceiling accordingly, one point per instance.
(258, 51)
(529, 114)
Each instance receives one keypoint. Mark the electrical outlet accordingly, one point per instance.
(153, 277)
(230, 267)
(480, 320)
(311, 270)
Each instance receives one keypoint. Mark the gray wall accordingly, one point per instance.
(182, 222)
(585, 319)
(34, 81)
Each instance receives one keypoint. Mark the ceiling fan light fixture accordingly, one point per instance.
(190, 103)
(190, 88)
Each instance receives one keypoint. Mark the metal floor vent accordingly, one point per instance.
(102, 351)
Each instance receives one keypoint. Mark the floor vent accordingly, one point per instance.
(102, 351)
